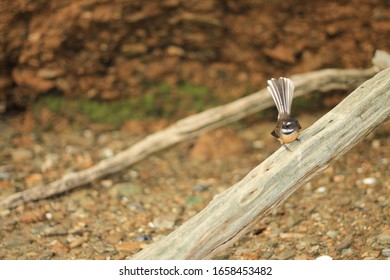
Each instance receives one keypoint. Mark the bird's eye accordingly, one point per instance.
(287, 124)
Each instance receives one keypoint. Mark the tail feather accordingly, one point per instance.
(282, 92)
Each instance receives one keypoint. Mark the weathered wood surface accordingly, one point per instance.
(230, 214)
(189, 127)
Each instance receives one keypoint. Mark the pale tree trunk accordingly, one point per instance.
(230, 214)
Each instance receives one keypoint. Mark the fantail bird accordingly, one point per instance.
(287, 128)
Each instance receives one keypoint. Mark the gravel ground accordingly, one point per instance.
(343, 213)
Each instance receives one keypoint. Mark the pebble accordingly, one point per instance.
(321, 189)
(175, 51)
(293, 220)
(314, 248)
(49, 162)
(78, 241)
(40, 228)
(200, 187)
(114, 238)
(291, 235)
(286, 254)
(301, 246)
(107, 153)
(332, 234)
(124, 190)
(347, 252)
(339, 178)
(302, 257)
(59, 249)
(15, 242)
(101, 248)
(347, 241)
(56, 230)
(80, 213)
(31, 255)
(386, 252)
(384, 238)
(47, 73)
(46, 255)
(70, 239)
(369, 181)
(127, 246)
(267, 254)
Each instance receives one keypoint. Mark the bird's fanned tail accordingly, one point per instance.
(282, 91)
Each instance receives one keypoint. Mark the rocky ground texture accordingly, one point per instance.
(343, 213)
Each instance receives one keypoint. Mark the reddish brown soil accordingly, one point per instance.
(116, 49)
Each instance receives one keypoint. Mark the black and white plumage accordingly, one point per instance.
(282, 92)
(287, 128)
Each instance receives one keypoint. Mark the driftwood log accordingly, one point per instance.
(230, 214)
(187, 128)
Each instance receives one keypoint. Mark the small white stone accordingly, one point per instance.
(321, 189)
(369, 181)
(49, 216)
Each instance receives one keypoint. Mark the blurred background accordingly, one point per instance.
(83, 80)
(172, 51)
